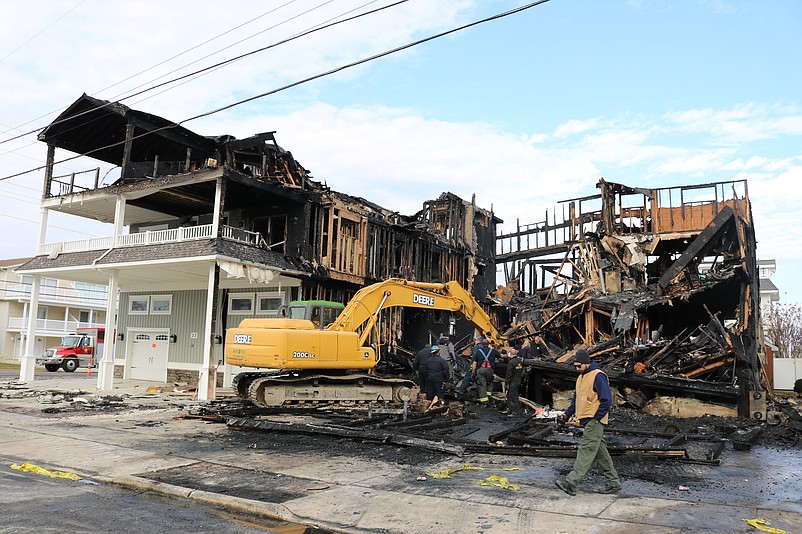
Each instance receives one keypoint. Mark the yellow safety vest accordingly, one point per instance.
(587, 400)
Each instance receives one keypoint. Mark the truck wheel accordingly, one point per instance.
(70, 365)
(52, 367)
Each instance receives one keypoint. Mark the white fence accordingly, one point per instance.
(786, 372)
(172, 235)
(49, 327)
(58, 295)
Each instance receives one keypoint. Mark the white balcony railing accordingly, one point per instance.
(173, 235)
(49, 327)
(58, 295)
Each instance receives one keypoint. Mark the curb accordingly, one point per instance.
(237, 504)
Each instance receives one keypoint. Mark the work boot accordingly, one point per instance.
(565, 486)
(611, 489)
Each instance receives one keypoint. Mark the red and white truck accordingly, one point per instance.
(84, 348)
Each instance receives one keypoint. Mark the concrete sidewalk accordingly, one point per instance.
(348, 494)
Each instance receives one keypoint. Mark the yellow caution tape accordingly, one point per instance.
(31, 468)
(765, 526)
(500, 482)
(446, 473)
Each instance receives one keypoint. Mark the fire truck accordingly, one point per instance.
(84, 348)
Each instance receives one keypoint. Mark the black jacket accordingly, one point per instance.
(420, 358)
(436, 369)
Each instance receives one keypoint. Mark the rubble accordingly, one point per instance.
(659, 285)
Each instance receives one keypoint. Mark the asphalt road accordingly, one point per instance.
(36, 503)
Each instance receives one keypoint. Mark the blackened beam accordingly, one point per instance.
(492, 438)
(703, 242)
(566, 451)
(702, 389)
(533, 253)
(242, 423)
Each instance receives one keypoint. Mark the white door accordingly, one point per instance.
(149, 356)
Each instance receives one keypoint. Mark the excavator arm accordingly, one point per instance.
(362, 312)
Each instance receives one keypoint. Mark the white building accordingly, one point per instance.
(769, 293)
(63, 307)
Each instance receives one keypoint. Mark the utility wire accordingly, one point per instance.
(10, 128)
(74, 231)
(295, 84)
(43, 30)
(216, 65)
(213, 68)
(366, 60)
(207, 41)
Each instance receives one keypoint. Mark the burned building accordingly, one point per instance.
(659, 284)
(210, 230)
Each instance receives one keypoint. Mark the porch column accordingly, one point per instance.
(119, 219)
(28, 360)
(208, 373)
(217, 214)
(105, 375)
(44, 212)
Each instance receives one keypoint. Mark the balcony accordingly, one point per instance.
(49, 327)
(172, 235)
(58, 296)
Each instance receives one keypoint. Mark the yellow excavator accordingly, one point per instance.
(306, 364)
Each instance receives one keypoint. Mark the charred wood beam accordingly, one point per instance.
(241, 423)
(725, 392)
(703, 242)
(567, 451)
(446, 423)
(506, 432)
(743, 439)
(668, 435)
(534, 253)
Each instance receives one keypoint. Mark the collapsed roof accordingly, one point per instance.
(659, 285)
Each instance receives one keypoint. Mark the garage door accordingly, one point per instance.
(149, 356)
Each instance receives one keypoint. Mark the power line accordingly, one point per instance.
(74, 231)
(10, 128)
(43, 30)
(291, 85)
(207, 41)
(220, 64)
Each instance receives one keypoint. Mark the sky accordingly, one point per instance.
(522, 111)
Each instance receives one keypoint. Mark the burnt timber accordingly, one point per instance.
(660, 285)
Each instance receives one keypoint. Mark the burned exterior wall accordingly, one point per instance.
(266, 201)
(653, 282)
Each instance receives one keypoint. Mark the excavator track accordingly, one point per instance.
(347, 390)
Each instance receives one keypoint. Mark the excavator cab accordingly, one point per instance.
(320, 312)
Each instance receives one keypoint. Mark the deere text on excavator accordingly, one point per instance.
(303, 363)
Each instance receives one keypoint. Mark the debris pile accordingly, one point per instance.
(659, 285)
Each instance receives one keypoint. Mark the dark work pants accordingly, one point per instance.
(434, 387)
(513, 404)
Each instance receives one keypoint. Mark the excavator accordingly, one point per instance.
(300, 363)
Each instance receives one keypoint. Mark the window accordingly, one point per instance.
(84, 316)
(138, 305)
(41, 312)
(240, 303)
(161, 304)
(49, 287)
(269, 304)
